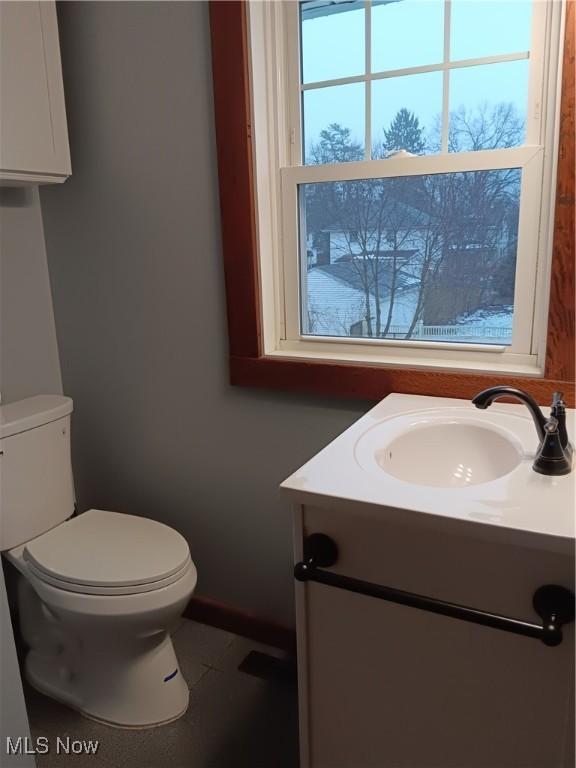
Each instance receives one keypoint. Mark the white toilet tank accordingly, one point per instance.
(36, 484)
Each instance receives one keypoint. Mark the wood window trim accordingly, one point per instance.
(248, 365)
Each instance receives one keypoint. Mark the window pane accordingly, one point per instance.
(333, 124)
(488, 106)
(398, 42)
(428, 258)
(332, 40)
(481, 28)
(406, 114)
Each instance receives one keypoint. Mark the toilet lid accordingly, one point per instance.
(109, 549)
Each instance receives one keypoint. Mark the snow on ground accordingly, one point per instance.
(493, 316)
(491, 325)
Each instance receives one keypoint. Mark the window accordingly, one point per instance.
(405, 166)
(262, 177)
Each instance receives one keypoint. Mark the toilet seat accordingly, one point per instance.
(86, 589)
(109, 553)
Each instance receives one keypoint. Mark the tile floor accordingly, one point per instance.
(234, 720)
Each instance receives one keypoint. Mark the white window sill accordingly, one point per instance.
(422, 356)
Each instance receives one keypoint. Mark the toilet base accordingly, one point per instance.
(37, 687)
(139, 686)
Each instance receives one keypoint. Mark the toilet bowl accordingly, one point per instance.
(99, 592)
(98, 597)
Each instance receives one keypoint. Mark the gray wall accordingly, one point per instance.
(135, 262)
(28, 350)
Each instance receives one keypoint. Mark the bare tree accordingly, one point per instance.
(487, 127)
(464, 224)
(368, 214)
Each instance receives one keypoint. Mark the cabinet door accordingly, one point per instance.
(33, 133)
(390, 686)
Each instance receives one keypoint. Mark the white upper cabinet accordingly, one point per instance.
(33, 134)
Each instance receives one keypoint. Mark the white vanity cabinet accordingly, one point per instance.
(33, 134)
(387, 685)
(391, 686)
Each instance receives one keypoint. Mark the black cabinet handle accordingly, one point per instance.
(554, 604)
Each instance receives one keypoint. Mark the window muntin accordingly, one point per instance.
(488, 106)
(444, 41)
(332, 106)
(498, 27)
(398, 43)
(406, 114)
(344, 56)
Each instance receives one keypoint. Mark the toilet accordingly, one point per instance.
(98, 593)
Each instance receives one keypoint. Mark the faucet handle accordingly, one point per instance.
(551, 425)
(558, 400)
(551, 458)
(558, 411)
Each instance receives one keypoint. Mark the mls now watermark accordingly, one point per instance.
(23, 745)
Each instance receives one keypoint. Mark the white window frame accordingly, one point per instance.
(274, 47)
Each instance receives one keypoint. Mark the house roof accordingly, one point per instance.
(351, 273)
(398, 216)
(312, 9)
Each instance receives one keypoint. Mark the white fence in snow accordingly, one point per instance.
(456, 332)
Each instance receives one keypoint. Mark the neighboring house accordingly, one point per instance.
(340, 295)
(337, 306)
(350, 275)
(402, 228)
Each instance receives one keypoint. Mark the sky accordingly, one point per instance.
(410, 33)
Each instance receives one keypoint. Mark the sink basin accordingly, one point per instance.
(444, 450)
(433, 461)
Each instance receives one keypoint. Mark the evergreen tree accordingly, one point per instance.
(325, 202)
(405, 133)
(336, 146)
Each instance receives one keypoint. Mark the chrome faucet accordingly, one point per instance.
(554, 452)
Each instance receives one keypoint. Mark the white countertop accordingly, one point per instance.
(522, 500)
